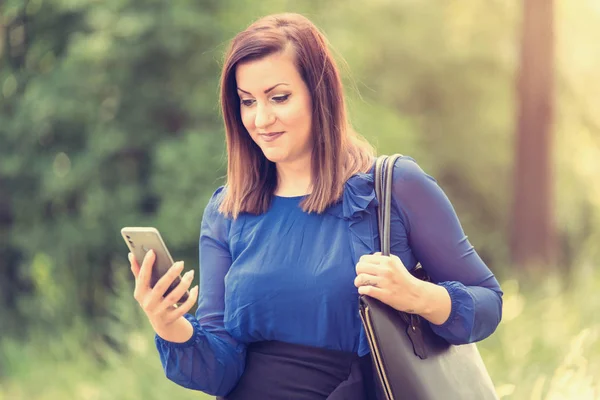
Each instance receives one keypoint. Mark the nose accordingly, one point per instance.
(264, 117)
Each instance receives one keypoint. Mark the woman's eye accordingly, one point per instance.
(281, 99)
(247, 103)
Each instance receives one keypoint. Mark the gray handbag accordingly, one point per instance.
(410, 360)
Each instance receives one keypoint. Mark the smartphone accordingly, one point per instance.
(140, 240)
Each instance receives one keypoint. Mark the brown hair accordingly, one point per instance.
(338, 152)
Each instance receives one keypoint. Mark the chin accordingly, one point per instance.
(274, 156)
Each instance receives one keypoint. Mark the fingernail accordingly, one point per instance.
(191, 274)
(129, 257)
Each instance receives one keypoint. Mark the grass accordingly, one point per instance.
(545, 348)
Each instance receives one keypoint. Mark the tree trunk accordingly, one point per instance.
(533, 238)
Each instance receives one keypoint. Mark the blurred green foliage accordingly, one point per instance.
(109, 117)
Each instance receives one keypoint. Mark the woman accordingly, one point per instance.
(289, 243)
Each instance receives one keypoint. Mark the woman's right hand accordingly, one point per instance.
(162, 312)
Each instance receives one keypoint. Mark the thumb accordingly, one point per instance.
(135, 268)
(398, 263)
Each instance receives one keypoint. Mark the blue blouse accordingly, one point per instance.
(288, 275)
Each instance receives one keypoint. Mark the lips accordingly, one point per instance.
(271, 136)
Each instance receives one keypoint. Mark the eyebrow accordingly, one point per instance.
(266, 91)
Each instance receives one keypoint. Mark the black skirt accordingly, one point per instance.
(282, 371)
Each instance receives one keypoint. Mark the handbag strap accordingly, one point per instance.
(384, 167)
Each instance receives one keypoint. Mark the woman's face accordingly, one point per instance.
(276, 107)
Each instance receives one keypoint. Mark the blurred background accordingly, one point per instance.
(109, 117)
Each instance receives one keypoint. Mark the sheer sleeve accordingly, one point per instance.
(436, 239)
(211, 361)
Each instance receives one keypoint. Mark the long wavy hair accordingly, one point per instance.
(338, 151)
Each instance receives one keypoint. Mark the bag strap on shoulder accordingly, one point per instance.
(384, 167)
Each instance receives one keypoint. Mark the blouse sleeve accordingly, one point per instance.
(211, 360)
(437, 241)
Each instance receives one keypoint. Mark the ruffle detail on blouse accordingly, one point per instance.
(358, 198)
(359, 194)
(358, 206)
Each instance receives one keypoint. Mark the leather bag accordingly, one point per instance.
(409, 359)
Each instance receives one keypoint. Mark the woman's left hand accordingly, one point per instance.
(387, 280)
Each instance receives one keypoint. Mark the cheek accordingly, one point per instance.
(247, 119)
(296, 117)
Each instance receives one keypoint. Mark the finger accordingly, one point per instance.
(368, 280)
(185, 306)
(375, 258)
(365, 267)
(176, 294)
(167, 279)
(396, 260)
(146, 269)
(375, 292)
(152, 301)
(370, 258)
(140, 290)
(135, 268)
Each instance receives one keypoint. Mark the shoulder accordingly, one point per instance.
(213, 219)
(212, 207)
(412, 187)
(407, 171)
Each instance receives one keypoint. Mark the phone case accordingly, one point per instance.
(140, 240)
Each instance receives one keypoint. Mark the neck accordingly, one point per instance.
(294, 178)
